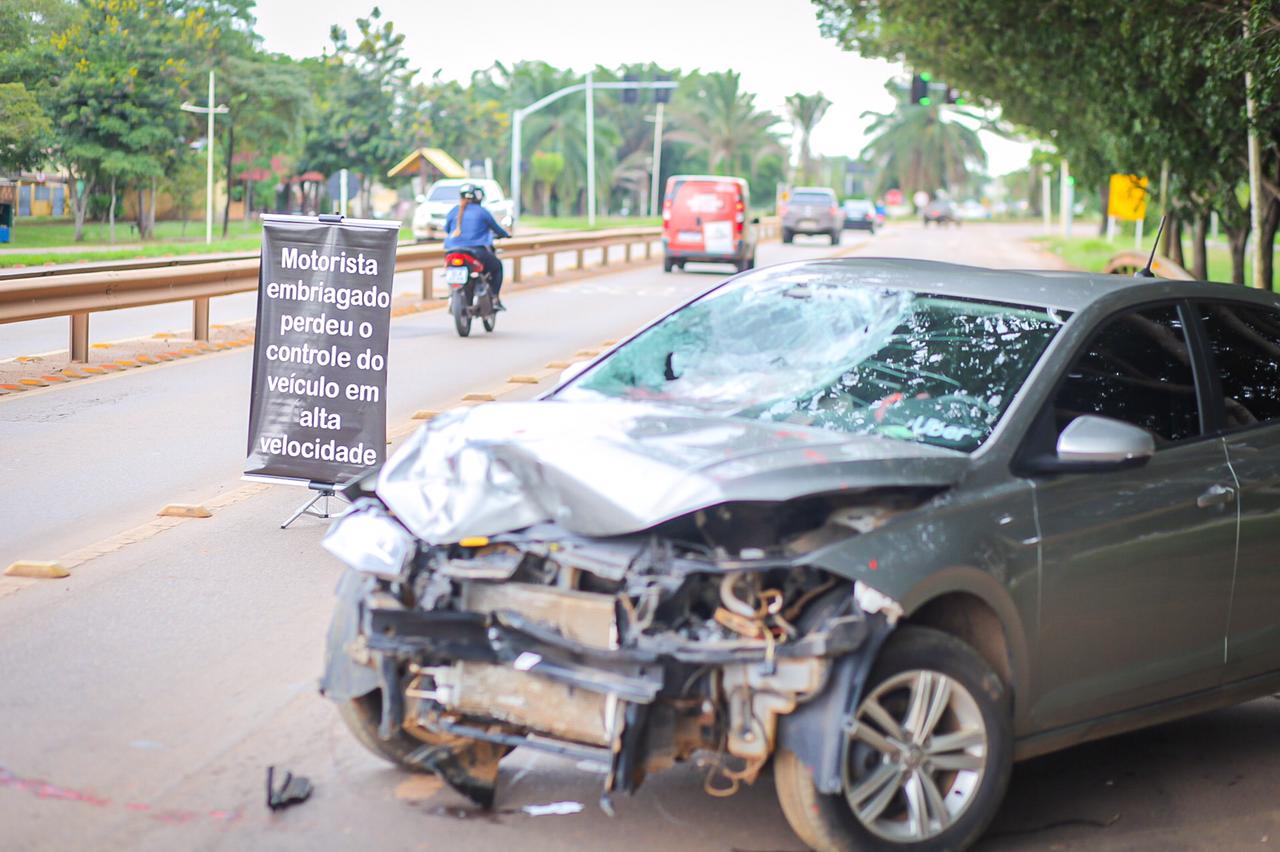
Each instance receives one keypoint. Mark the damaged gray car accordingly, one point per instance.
(884, 526)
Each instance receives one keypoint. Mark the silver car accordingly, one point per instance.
(812, 210)
(890, 525)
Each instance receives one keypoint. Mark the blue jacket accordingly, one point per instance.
(478, 228)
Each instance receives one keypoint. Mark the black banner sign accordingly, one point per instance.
(318, 410)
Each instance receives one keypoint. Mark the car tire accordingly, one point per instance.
(835, 238)
(362, 716)
(788, 236)
(977, 705)
(668, 264)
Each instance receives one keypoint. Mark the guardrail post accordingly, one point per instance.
(581, 258)
(626, 257)
(648, 249)
(79, 344)
(515, 269)
(604, 254)
(551, 263)
(200, 319)
(428, 284)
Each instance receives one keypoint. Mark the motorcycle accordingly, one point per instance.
(470, 293)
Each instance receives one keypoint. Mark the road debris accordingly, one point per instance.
(294, 790)
(553, 809)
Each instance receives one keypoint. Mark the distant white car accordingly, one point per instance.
(442, 196)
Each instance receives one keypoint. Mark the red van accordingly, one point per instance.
(704, 219)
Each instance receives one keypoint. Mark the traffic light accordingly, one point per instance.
(630, 96)
(662, 96)
(920, 89)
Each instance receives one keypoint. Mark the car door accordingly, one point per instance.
(1136, 563)
(1244, 340)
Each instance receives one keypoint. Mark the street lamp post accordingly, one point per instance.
(589, 86)
(657, 162)
(210, 111)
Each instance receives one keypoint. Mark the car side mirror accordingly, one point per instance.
(1101, 440)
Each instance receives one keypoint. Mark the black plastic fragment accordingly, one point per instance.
(294, 790)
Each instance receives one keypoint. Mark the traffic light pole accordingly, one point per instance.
(517, 123)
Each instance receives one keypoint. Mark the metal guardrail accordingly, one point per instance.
(1129, 262)
(77, 294)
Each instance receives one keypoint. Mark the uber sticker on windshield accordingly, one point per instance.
(932, 427)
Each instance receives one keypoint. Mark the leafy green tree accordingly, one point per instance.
(360, 122)
(547, 166)
(805, 111)
(915, 148)
(268, 102)
(123, 68)
(1113, 87)
(716, 118)
(25, 131)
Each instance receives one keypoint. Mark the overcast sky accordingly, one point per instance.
(775, 45)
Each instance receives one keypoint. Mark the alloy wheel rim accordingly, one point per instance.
(915, 756)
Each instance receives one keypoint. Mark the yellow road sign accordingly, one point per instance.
(1127, 198)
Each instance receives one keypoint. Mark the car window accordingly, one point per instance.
(1137, 368)
(1245, 341)
(448, 192)
(824, 349)
(812, 198)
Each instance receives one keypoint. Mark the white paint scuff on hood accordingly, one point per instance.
(617, 467)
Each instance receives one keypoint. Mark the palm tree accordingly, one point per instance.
(915, 147)
(805, 111)
(720, 120)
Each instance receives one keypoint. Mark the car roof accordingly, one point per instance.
(460, 181)
(1047, 288)
(714, 178)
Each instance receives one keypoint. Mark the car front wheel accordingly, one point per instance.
(927, 762)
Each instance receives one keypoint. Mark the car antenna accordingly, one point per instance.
(1145, 272)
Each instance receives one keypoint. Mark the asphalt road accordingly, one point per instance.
(142, 699)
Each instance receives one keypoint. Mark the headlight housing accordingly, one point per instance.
(370, 541)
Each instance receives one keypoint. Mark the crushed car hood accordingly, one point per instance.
(618, 467)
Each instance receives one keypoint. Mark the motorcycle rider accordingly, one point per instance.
(470, 226)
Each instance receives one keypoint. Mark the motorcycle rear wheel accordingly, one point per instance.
(461, 319)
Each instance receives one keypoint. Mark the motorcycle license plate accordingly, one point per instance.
(456, 275)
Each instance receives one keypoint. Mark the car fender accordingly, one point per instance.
(966, 579)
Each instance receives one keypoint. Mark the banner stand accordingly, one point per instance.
(324, 490)
(317, 410)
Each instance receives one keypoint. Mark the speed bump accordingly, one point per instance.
(36, 570)
(424, 414)
(522, 380)
(478, 397)
(559, 365)
(184, 510)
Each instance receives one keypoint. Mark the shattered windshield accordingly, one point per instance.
(838, 355)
